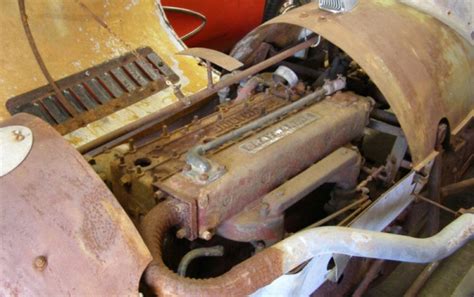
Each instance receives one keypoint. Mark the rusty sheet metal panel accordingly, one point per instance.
(61, 229)
(459, 15)
(73, 36)
(423, 68)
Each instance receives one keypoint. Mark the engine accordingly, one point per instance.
(246, 168)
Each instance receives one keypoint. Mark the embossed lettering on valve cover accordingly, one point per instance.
(263, 140)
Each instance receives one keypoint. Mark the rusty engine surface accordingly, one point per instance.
(262, 175)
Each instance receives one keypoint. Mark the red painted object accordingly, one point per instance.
(227, 21)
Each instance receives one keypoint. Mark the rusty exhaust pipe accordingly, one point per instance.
(242, 279)
(261, 269)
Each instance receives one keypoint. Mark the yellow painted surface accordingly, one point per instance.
(70, 38)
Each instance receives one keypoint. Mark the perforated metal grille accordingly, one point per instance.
(98, 91)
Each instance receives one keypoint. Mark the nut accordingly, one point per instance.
(206, 235)
(40, 263)
(264, 209)
(187, 167)
(181, 233)
(203, 201)
(159, 195)
(204, 177)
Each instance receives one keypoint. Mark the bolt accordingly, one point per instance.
(18, 135)
(139, 170)
(181, 233)
(174, 154)
(203, 201)
(131, 145)
(122, 161)
(164, 131)
(40, 263)
(203, 177)
(206, 235)
(264, 209)
(159, 195)
(187, 167)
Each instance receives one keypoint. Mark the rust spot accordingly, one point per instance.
(98, 231)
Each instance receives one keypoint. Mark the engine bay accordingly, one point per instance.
(284, 151)
(312, 159)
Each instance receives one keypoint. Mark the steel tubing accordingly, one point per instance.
(263, 268)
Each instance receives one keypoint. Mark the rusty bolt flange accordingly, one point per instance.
(40, 263)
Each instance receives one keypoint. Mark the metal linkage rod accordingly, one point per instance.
(339, 212)
(215, 251)
(437, 204)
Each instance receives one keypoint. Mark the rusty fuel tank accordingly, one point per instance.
(257, 164)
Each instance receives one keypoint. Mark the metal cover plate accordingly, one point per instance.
(266, 138)
(15, 144)
(61, 227)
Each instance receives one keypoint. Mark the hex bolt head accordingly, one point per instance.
(187, 167)
(181, 233)
(131, 145)
(204, 177)
(203, 201)
(264, 209)
(159, 195)
(18, 135)
(40, 263)
(206, 235)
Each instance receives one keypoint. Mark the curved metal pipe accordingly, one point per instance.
(214, 251)
(200, 164)
(266, 266)
(378, 245)
(240, 280)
